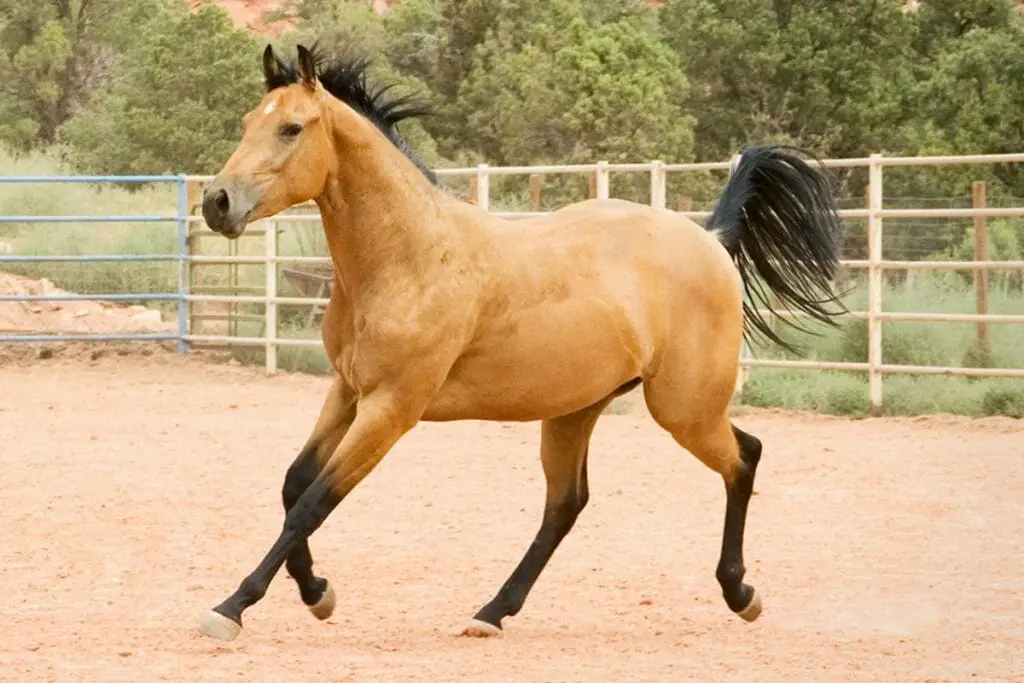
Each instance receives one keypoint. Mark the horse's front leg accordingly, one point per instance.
(380, 420)
(335, 419)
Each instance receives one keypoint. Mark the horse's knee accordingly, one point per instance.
(583, 484)
(301, 473)
(560, 515)
(563, 515)
(582, 499)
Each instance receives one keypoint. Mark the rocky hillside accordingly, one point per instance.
(250, 14)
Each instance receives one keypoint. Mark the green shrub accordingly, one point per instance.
(1004, 398)
(846, 394)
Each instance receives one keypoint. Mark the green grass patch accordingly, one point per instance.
(846, 394)
(309, 360)
(86, 238)
(828, 392)
(940, 344)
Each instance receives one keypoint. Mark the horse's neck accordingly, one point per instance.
(377, 208)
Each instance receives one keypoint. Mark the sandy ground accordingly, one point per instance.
(138, 492)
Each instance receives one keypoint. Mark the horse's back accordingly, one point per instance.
(663, 246)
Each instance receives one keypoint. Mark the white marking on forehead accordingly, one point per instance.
(269, 109)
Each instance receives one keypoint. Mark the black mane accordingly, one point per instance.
(344, 76)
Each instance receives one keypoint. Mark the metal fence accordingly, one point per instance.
(180, 258)
(874, 214)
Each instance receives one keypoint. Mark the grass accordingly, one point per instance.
(86, 238)
(847, 394)
(134, 238)
(843, 393)
(310, 360)
(904, 343)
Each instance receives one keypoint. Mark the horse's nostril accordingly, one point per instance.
(221, 201)
(216, 208)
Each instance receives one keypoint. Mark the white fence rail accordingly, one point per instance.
(875, 215)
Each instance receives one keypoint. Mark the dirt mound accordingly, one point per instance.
(70, 317)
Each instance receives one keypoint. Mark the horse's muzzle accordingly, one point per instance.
(226, 209)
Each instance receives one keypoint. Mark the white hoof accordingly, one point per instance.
(480, 629)
(753, 610)
(216, 625)
(324, 607)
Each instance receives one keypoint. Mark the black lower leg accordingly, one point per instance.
(304, 517)
(738, 596)
(300, 475)
(558, 520)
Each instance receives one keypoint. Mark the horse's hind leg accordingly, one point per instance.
(733, 454)
(563, 451)
(741, 598)
(335, 417)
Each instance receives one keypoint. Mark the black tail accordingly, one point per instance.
(778, 220)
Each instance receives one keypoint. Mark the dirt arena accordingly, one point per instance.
(137, 492)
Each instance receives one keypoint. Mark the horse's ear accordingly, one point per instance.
(307, 67)
(271, 67)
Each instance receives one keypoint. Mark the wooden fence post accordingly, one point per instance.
(270, 308)
(658, 182)
(603, 180)
(979, 200)
(192, 243)
(743, 376)
(875, 282)
(483, 187)
(534, 192)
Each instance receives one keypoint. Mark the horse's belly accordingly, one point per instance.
(544, 366)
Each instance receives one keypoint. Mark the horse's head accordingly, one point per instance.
(284, 156)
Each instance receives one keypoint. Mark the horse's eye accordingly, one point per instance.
(290, 130)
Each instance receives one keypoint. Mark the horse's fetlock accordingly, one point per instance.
(252, 589)
(730, 574)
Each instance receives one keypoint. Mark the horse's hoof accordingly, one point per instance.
(216, 625)
(324, 607)
(753, 610)
(480, 629)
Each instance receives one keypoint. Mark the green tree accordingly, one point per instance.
(523, 81)
(54, 54)
(440, 42)
(605, 93)
(825, 75)
(177, 105)
(971, 101)
(413, 37)
(942, 21)
(352, 27)
(348, 24)
(579, 95)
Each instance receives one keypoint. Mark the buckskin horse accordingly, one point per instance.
(441, 311)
